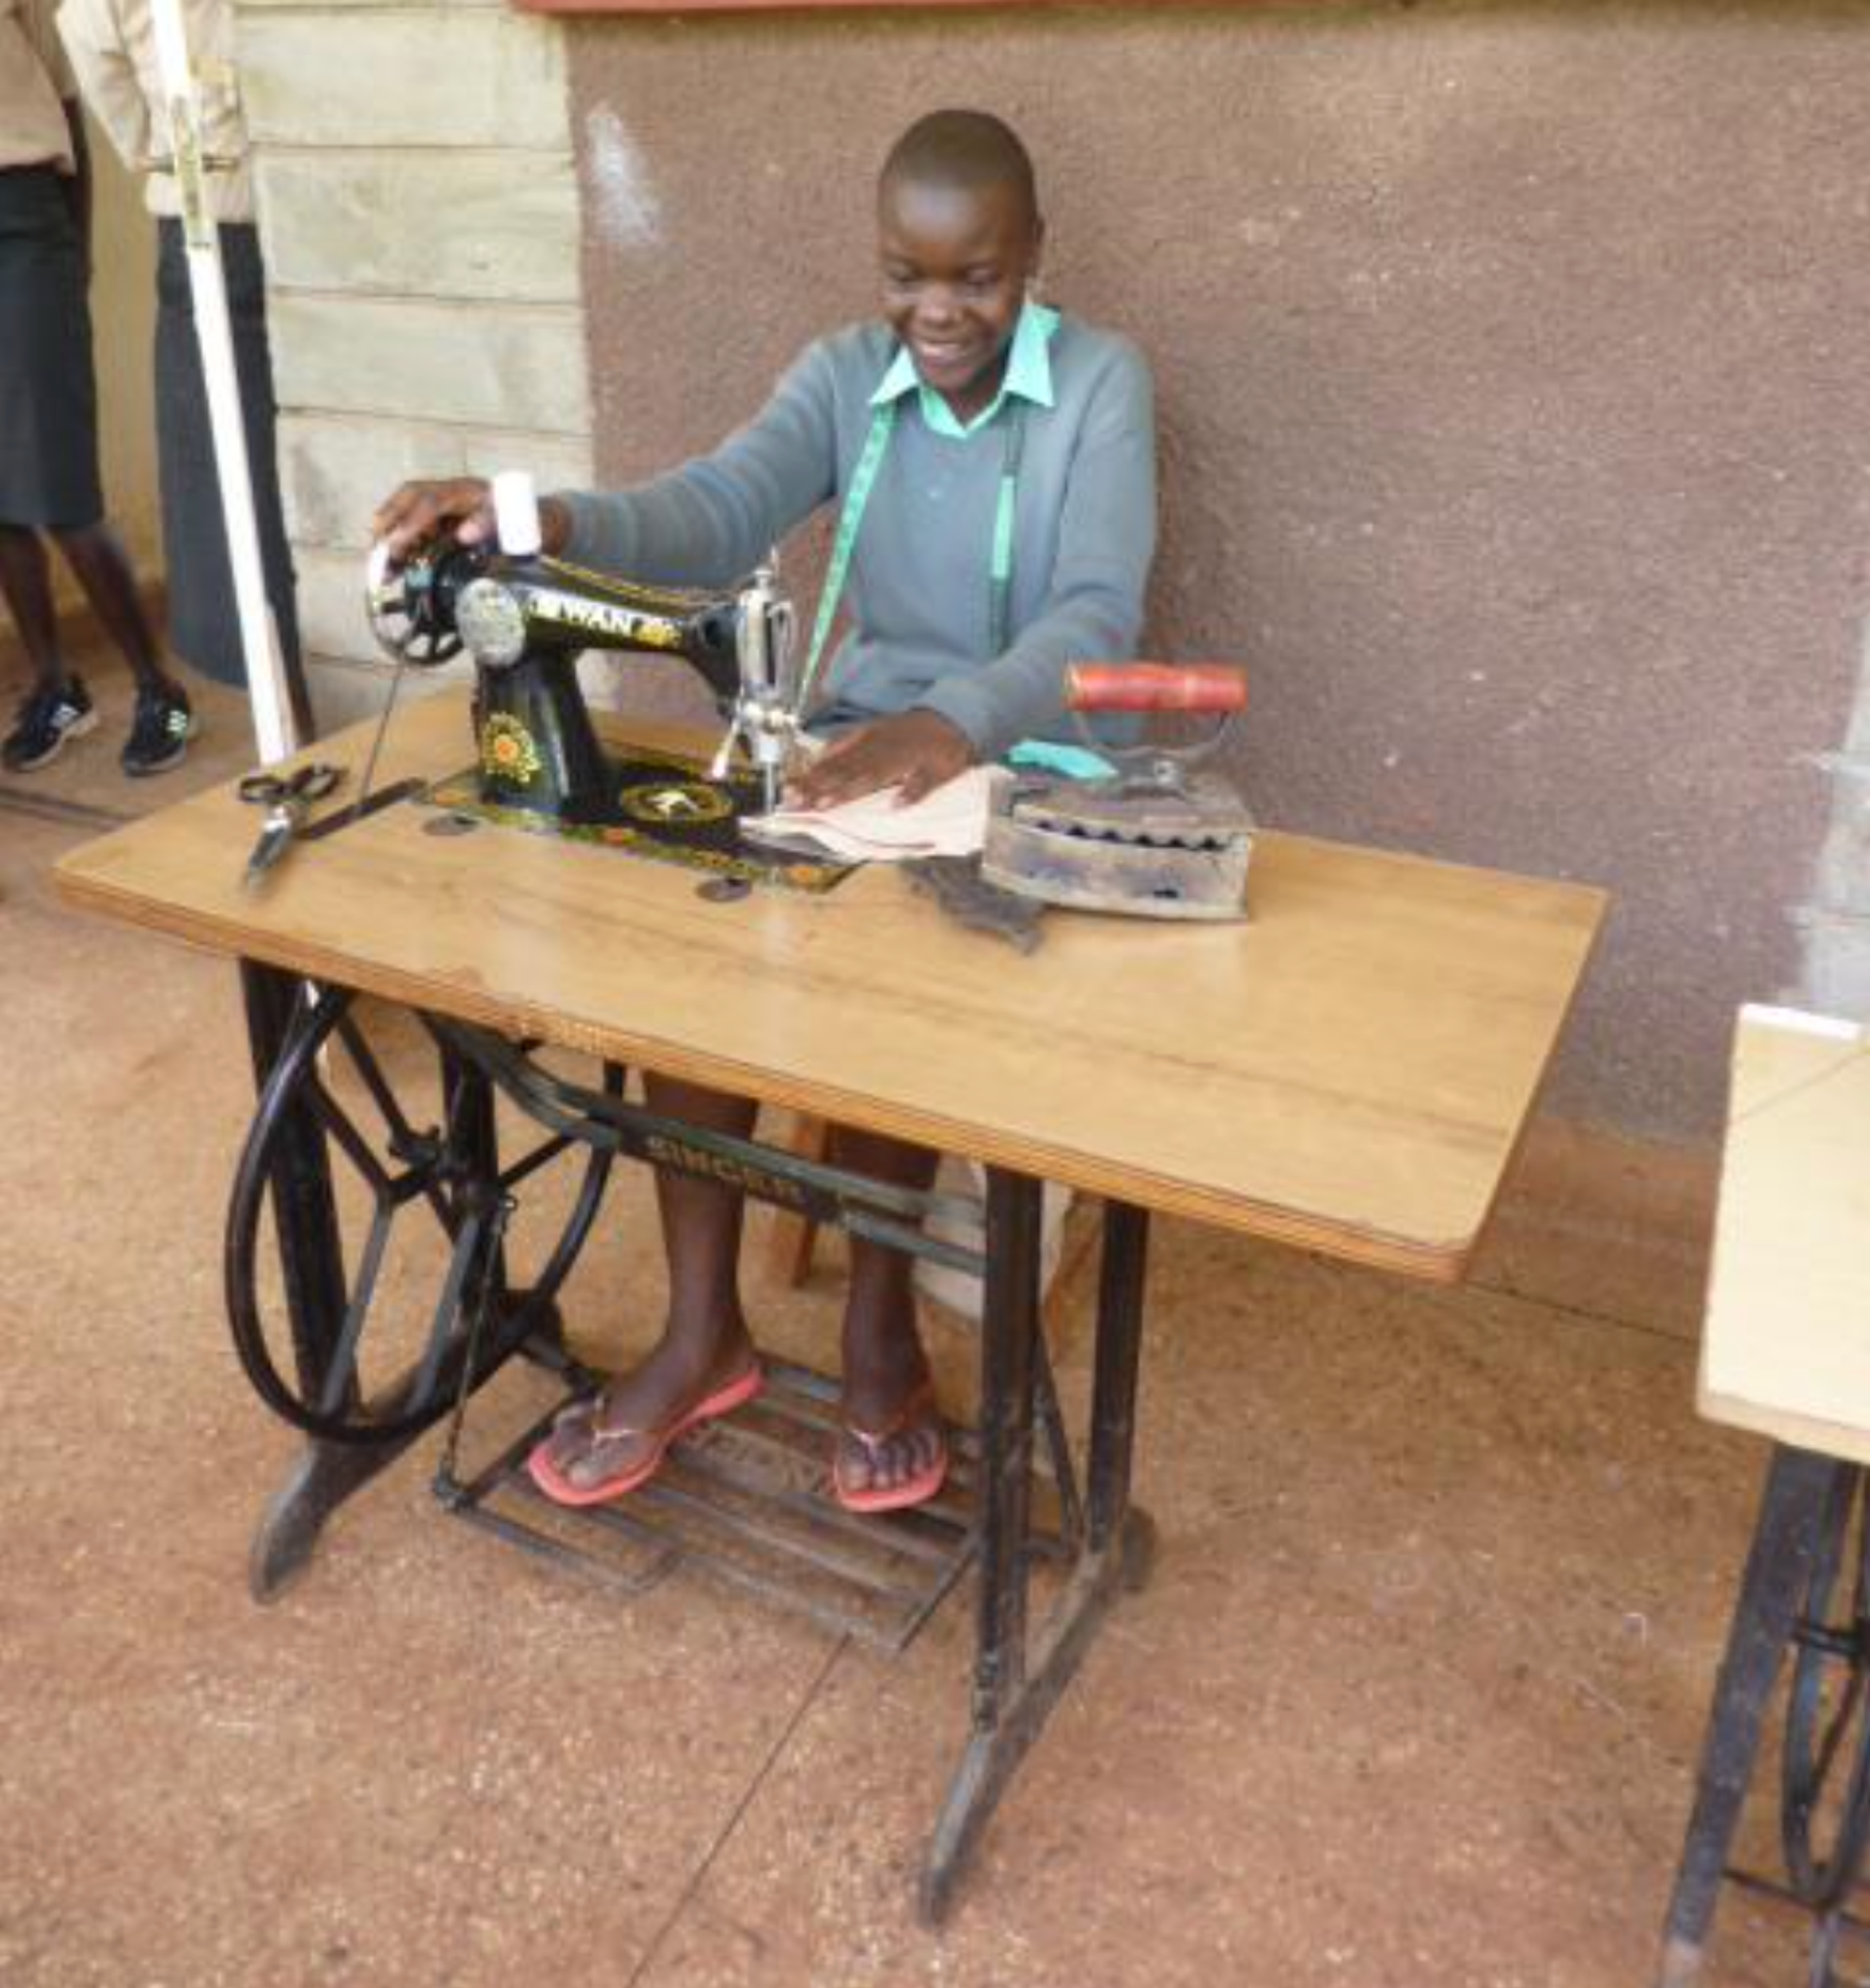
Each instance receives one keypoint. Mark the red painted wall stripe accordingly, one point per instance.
(666, 8)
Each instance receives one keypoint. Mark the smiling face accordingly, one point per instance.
(955, 262)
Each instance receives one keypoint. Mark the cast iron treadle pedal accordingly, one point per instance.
(746, 1500)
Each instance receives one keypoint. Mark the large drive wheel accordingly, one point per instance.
(402, 1251)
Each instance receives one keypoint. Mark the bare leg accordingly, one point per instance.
(95, 554)
(705, 1342)
(25, 582)
(884, 1363)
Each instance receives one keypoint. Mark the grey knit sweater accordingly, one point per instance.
(917, 594)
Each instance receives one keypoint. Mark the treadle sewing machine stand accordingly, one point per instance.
(1805, 1592)
(479, 1325)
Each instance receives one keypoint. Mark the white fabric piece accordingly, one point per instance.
(951, 821)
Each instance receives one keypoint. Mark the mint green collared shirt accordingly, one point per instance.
(1029, 374)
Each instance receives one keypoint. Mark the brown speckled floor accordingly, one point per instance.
(1412, 1698)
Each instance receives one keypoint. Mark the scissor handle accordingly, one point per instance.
(308, 783)
(1207, 686)
(314, 782)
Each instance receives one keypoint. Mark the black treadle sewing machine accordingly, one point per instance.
(1153, 837)
(525, 619)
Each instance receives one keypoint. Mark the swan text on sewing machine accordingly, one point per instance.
(599, 617)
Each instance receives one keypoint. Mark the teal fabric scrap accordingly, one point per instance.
(1046, 755)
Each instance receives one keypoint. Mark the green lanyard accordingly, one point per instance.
(850, 520)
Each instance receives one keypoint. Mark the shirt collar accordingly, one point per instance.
(1029, 374)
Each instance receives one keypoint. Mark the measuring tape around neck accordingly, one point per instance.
(850, 521)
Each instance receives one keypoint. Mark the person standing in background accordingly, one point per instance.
(112, 45)
(49, 483)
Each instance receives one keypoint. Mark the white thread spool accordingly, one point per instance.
(515, 514)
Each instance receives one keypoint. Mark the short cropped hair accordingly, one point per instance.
(968, 148)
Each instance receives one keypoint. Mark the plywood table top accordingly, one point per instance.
(1786, 1351)
(1349, 1071)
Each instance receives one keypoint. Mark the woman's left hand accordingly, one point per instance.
(915, 752)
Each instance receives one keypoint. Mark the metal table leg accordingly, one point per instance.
(1800, 1486)
(1015, 1690)
(305, 1222)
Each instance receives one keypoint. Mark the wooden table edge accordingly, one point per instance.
(1441, 1262)
(1788, 1426)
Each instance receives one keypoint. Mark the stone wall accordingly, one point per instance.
(419, 211)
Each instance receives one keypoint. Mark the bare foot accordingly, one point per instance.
(898, 1460)
(609, 1445)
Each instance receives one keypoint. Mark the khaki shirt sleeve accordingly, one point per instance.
(34, 77)
(106, 75)
(35, 16)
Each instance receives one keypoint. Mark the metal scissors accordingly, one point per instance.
(285, 797)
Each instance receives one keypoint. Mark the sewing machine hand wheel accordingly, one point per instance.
(405, 612)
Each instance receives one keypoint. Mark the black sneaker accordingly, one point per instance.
(47, 719)
(159, 732)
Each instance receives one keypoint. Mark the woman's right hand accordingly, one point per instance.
(461, 507)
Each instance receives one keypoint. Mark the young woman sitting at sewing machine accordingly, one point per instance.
(994, 461)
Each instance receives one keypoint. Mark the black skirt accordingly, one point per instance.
(49, 474)
(203, 623)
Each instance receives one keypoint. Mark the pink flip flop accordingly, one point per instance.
(916, 1490)
(561, 1489)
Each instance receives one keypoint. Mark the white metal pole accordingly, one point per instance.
(272, 711)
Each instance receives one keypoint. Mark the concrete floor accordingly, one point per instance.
(1413, 1698)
